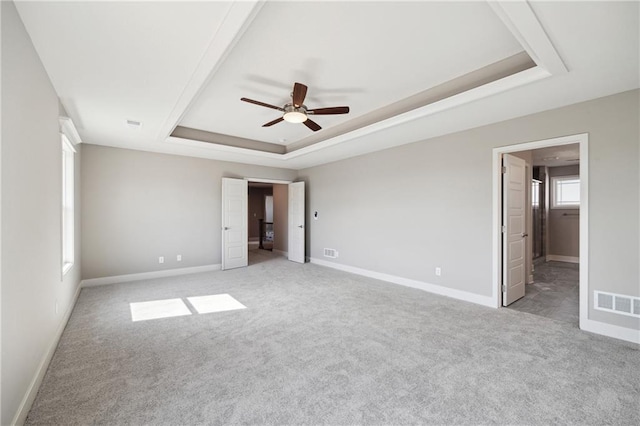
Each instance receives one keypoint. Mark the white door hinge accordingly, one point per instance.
(504, 229)
(504, 288)
(504, 170)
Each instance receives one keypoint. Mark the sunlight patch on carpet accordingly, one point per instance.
(155, 309)
(215, 303)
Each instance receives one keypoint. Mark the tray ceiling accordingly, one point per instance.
(408, 70)
(346, 57)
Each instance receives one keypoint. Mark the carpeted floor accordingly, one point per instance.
(319, 346)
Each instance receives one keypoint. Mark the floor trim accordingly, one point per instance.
(615, 331)
(29, 396)
(560, 258)
(281, 253)
(148, 275)
(420, 285)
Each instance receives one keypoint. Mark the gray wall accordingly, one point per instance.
(564, 224)
(32, 280)
(406, 210)
(281, 217)
(138, 206)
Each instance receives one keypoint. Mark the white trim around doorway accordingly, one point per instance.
(274, 181)
(583, 140)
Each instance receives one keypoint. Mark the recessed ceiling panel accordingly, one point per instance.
(364, 55)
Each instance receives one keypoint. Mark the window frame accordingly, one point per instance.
(67, 228)
(554, 192)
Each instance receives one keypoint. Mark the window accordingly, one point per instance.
(68, 185)
(535, 193)
(566, 192)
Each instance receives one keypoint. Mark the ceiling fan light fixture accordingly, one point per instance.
(295, 117)
(293, 114)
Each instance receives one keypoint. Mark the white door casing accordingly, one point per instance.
(234, 223)
(514, 226)
(296, 222)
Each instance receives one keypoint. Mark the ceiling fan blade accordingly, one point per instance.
(299, 93)
(312, 125)
(251, 101)
(271, 123)
(327, 111)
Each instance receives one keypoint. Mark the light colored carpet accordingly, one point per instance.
(319, 346)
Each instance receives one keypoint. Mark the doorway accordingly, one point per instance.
(285, 233)
(260, 222)
(551, 234)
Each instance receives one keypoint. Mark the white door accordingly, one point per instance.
(234, 223)
(296, 222)
(513, 229)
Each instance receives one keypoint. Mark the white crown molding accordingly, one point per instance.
(238, 19)
(495, 87)
(520, 19)
(68, 129)
(504, 84)
(517, 16)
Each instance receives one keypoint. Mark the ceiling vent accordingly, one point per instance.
(134, 124)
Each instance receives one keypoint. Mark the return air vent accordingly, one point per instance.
(617, 303)
(332, 253)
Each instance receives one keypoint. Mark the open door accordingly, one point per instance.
(513, 228)
(234, 223)
(296, 222)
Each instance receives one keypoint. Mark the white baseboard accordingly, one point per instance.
(34, 386)
(281, 253)
(610, 330)
(431, 288)
(148, 275)
(559, 258)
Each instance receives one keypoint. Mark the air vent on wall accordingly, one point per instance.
(332, 253)
(617, 303)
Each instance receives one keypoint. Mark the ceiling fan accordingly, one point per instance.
(296, 112)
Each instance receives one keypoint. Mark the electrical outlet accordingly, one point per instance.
(161, 259)
(179, 258)
(438, 271)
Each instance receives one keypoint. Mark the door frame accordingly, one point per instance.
(271, 181)
(583, 140)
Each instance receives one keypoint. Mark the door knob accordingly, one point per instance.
(300, 226)
(226, 228)
(524, 234)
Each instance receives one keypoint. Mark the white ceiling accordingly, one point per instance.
(366, 64)
(557, 156)
(189, 63)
